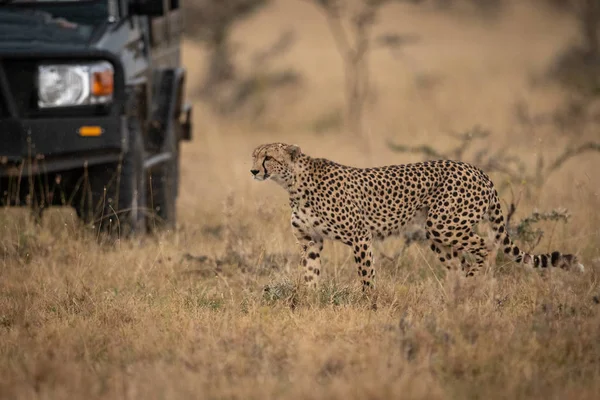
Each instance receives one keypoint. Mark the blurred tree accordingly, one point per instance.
(211, 21)
(578, 67)
(587, 13)
(488, 8)
(353, 45)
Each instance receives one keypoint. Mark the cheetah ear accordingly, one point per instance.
(294, 151)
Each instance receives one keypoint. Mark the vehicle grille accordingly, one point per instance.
(20, 75)
(3, 110)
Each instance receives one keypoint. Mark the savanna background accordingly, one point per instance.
(215, 309)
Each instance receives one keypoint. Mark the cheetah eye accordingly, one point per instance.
(267, 158)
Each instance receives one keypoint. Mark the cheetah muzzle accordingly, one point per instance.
(358, 205)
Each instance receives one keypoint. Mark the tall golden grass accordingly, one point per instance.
(215, 309)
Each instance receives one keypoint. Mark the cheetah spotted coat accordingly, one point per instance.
(356, 206)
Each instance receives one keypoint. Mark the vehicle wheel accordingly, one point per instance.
(163, 189)
(132, 204)
(115, 198)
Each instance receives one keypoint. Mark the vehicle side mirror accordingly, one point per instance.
(150, 8)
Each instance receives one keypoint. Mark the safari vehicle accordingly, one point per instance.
(92, 109)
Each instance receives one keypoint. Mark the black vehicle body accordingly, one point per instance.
(45, 159)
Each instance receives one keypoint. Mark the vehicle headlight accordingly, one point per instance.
(63, 85)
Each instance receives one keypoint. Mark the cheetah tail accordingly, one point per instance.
(554, 259)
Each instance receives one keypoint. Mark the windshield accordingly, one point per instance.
(81, 12)
(46, 1)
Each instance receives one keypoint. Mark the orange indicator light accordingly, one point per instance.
(103, 83)
(90, 131)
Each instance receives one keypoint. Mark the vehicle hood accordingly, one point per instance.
(23, 29)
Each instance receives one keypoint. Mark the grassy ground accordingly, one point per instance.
(215, 309)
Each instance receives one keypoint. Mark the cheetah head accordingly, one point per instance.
(275, 161)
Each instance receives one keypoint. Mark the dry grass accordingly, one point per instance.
(214, 310)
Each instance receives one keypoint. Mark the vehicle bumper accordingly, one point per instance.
(54, 144)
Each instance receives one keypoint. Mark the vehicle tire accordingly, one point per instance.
(163, 188)
(132, 199)
(116, 194)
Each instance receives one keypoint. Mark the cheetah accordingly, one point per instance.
(359, 205)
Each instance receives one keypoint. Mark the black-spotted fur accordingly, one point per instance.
(356, 206)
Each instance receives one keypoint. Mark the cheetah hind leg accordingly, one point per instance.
(453, 244)
(477, 246)
(449, 257)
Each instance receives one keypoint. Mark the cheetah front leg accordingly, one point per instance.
(363, 256)
(311, 247)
